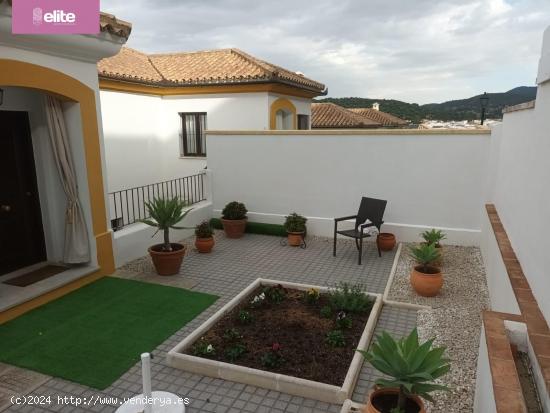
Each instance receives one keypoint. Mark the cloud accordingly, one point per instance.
(418, 51)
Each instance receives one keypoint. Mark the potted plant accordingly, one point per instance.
(205, 237)
(435, 237)
(386, 241)
(295, 226)
(234, 219)
(426, 278)
(412, 368)
(165, 214)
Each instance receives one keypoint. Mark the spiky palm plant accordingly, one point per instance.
(433, 236)
(412, 366)
(165, 214)
(425, 254)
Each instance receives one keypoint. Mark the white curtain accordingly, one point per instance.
(77, 246)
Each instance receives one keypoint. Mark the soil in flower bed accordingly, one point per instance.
(300, 331)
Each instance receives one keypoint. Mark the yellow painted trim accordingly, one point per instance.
(144, 89)
(22, 74)
(279, 104)
(353, 132)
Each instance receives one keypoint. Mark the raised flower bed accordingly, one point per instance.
(283, 336)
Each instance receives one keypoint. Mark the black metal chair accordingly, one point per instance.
(370, 209)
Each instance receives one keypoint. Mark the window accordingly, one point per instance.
(193, 141)
(303, 122)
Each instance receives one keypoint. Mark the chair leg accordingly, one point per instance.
(378, 245)
(360, 249)
(357, 243)
(334, 246)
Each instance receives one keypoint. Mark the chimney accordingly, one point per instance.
(376, 106)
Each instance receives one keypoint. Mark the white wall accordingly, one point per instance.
(429, 179)
(143, 133)
(520, 181)
(484, 400)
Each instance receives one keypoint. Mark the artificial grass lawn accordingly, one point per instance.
(93, 335)
(256, 228)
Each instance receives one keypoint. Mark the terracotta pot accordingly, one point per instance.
(386, 241)
(204, 245)
(295, 238)
(369, 408)
(234, 228)
(167, 262)
(426, 285)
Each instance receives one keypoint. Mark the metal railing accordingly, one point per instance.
(128, 206)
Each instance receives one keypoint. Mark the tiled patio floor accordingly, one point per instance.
(230, 268)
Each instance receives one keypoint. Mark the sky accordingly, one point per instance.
(419, 51)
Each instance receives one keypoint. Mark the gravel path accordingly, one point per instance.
(455, 319)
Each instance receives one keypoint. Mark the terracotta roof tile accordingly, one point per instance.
(384, 118)
(223, 66)
(330, 115)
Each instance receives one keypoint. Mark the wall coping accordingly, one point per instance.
(353, 132)
(521, 106)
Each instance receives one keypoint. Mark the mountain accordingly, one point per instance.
(462, 109)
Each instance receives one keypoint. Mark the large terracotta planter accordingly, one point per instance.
(295, 238)
(426, 284)
(167, 262)
(204, 245)
(390, 393)
(386, 241)
(234, 228)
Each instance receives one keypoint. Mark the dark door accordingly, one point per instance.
(21, 232)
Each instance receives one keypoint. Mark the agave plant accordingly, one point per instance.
(425, 254)
(412, 366)
(433, 236)
(165, 214)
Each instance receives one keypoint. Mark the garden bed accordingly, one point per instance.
(281, 345)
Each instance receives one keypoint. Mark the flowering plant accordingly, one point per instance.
(343, 320)
(273, 358)
(311, 296)
(258, 299)
(203, 348)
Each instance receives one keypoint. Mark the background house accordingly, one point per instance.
(156, 108)
(332, 116)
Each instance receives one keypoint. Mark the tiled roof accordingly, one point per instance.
(382, 117)
(212, 67)
(330, 115)
(107, 23)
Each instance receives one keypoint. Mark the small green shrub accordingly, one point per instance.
(245, 317)
(326, 312)
(335, 338)
(275, 294)
(425, 254)
(232, 334)
(235, 352)
(204, 230)
(343, 320)
(203, 348)
(433, 236)
(295, 223)
(350, 298)
(272, 358)
(234, 210)
(311, 296)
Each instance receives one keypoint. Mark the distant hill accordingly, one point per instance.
(463, 109)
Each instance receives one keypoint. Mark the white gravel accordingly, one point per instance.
(455, 319)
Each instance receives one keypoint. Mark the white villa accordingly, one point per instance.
(68, 138)
(157, 107)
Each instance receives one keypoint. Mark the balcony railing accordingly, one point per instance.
(128, 206)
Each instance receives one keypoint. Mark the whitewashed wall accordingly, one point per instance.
(430, 180)
(520, 175)
(142, 133)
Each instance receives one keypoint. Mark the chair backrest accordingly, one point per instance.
(371, 209)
